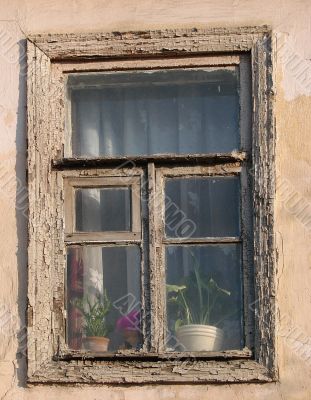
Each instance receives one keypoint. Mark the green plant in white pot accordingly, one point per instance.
(95, 327)
(200, 305)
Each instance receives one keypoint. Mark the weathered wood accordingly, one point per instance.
(247, 255)
(145, 268)
(226, 169)
(246, 200)
(46, 258)
(47, 139)
(156, 279)
(146, 356)
(79, 180)
(263, 202)
(208, 159)
(194, 240)
(148, 43)
(208, 61)
(177, 371)
(124, 238)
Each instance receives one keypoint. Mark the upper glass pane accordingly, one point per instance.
(192, 111)
(103, 209)
(202, 207)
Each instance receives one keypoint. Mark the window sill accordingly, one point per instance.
(141, 355)
(160, 371)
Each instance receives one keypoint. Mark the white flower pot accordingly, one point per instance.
(200, 338)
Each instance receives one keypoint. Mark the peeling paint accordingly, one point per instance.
(288, 18)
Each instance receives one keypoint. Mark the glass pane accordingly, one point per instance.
(103, 298)
(202, 207)
(153, 112)
(103, 209)
(204, 298)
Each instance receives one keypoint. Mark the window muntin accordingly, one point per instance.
(103, 207)
(193, 256)
(203, 264)
(104, 264)
(193, 111)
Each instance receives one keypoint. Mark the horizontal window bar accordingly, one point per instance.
(131, 161)
(206, 240)
(108, 242)
(128, 354)
(103, 236)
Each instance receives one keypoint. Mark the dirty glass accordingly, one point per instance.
(103, 298)
(191, 111)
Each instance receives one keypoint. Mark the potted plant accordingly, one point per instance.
(129, 327)
(200, 306)
(95, 327)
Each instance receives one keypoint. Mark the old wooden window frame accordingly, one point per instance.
(50, 57)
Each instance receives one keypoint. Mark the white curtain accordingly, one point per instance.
(89, 125)
(129, 119)
(154, 120)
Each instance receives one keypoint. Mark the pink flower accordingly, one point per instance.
(131, 321)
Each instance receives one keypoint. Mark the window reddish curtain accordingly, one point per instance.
(74, 291)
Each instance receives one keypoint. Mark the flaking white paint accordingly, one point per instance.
(290, 20)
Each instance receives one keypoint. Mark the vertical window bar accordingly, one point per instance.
(247, 257)
(145, 257)
(153, 280)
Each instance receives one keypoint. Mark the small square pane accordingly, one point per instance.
(202, 207)
(103, 209)
(204, 297)
(103, 298)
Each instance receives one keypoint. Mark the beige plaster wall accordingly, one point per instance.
(291, 22)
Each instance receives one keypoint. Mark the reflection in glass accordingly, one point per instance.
(154, 112)
(103, 209)
(202, 207)
(103, 298)
(204, 298)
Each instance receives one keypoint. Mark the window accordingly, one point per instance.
(196, 222)
(151, 221)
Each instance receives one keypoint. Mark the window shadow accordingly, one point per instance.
(21, 213)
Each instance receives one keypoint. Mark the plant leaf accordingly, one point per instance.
(175, 288)
(178, 323)
(213, 284)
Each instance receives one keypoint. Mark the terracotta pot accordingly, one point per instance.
(200, 338)
(96, 343)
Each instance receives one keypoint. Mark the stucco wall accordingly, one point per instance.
(291, 22)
